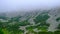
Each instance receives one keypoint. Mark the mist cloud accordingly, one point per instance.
(9, 5)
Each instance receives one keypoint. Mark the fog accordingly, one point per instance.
(25, 5)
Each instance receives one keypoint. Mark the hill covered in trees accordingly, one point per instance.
(34, 22)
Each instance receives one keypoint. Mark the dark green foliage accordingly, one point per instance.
(44, 24)
(57, 32)
(58, 26)
(42, 27)
(45, 32)
(41, 18)
(24, 23)
(16, 19)
(13, 27)
(1, 24)
(1, 32)
(58, 19)
(32, 32)
(30, 27)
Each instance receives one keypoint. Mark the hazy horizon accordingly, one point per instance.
(22, 5)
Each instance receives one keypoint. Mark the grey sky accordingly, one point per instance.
(9, 5)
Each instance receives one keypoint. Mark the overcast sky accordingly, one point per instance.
(9, 5)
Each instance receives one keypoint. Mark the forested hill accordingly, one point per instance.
(30, 22)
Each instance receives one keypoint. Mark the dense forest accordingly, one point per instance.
(30, 23)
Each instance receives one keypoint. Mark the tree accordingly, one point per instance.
(58, 19)
(41, 18)
(1, 32)
(57, 32)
